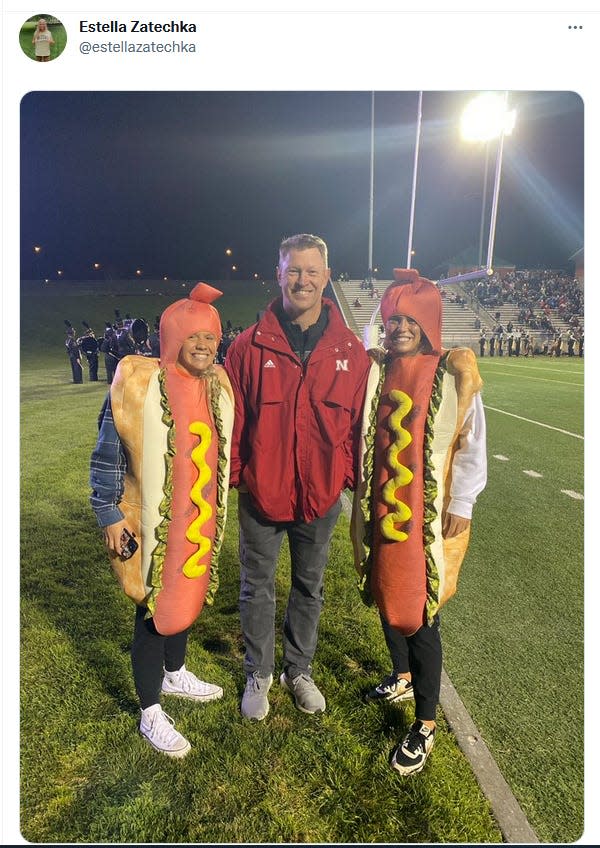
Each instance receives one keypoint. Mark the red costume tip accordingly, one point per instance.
(406, 275)
(203, 293)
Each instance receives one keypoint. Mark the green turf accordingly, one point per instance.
(44, 308)
(513, 642)
(513, 636)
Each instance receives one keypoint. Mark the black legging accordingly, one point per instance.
(151, 654)
(421, 654)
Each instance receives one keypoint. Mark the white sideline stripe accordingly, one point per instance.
(530, 421)
(499, 456)
(537, 368)
(544, 380)
(575, 495)
(505, 807)
(532, 473)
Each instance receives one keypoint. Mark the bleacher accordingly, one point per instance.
(458, 326)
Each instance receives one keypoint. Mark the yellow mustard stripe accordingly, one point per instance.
(192, 567)
(403, 475)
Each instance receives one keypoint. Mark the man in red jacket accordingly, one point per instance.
(299, 378)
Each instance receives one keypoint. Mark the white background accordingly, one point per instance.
(522, 47)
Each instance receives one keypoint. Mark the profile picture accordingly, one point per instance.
(43, 38)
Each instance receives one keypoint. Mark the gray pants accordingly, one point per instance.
(260, 544)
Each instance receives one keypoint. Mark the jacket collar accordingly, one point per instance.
(336, 340)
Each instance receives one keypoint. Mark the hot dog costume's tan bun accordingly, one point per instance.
(176, 433)
(414, 411)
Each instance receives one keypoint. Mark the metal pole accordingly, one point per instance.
(370, 264)
(483, 202)
(414, 182)
(370, 331)
(496, 193)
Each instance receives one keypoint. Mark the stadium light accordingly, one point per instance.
(484, 119)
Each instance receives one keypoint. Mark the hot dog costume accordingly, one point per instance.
(174, 433)
(422, 455)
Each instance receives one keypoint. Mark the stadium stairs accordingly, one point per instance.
(459, 322)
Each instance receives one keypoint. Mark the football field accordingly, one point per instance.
(513, 635)
(513, 647)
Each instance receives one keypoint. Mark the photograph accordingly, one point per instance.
(302, 459)
(43, 38)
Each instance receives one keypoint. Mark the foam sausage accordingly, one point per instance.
(414, 412)
(176, 430)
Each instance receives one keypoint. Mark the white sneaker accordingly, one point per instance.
(158, 728)
(186, 685)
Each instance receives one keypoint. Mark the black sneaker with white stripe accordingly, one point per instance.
(391, 688)
(410, 756)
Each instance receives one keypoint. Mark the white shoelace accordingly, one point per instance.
(162, 729)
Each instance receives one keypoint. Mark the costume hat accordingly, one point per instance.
(185, 317)
(419, 299)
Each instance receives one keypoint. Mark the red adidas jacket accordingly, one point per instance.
(296, 429)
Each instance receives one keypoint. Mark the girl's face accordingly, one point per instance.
(403, 335)
(198, 353)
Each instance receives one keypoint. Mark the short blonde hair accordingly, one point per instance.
(303, 241)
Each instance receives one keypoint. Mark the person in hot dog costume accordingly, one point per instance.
(423, 463)
(160, 470)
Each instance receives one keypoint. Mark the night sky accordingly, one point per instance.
(166, 181)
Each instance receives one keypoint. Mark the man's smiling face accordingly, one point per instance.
(302, 277)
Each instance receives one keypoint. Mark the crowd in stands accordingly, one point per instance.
(535, 292)
(369, 286)
(452, 297)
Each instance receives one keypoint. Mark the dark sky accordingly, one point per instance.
(167, 181)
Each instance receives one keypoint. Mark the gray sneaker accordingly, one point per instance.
(255, 703)
(305, 692)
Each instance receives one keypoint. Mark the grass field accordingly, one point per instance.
(513, 642)
(59, 34)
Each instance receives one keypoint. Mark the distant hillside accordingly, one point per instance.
(44, 307)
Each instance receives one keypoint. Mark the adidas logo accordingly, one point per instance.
(269, 364)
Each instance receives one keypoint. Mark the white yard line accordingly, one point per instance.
(577, 496)
(537, 368)
(543, 379)
(530, 421)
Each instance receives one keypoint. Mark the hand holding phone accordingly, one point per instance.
(128, 544)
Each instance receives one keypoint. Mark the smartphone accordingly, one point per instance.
(128, 544)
